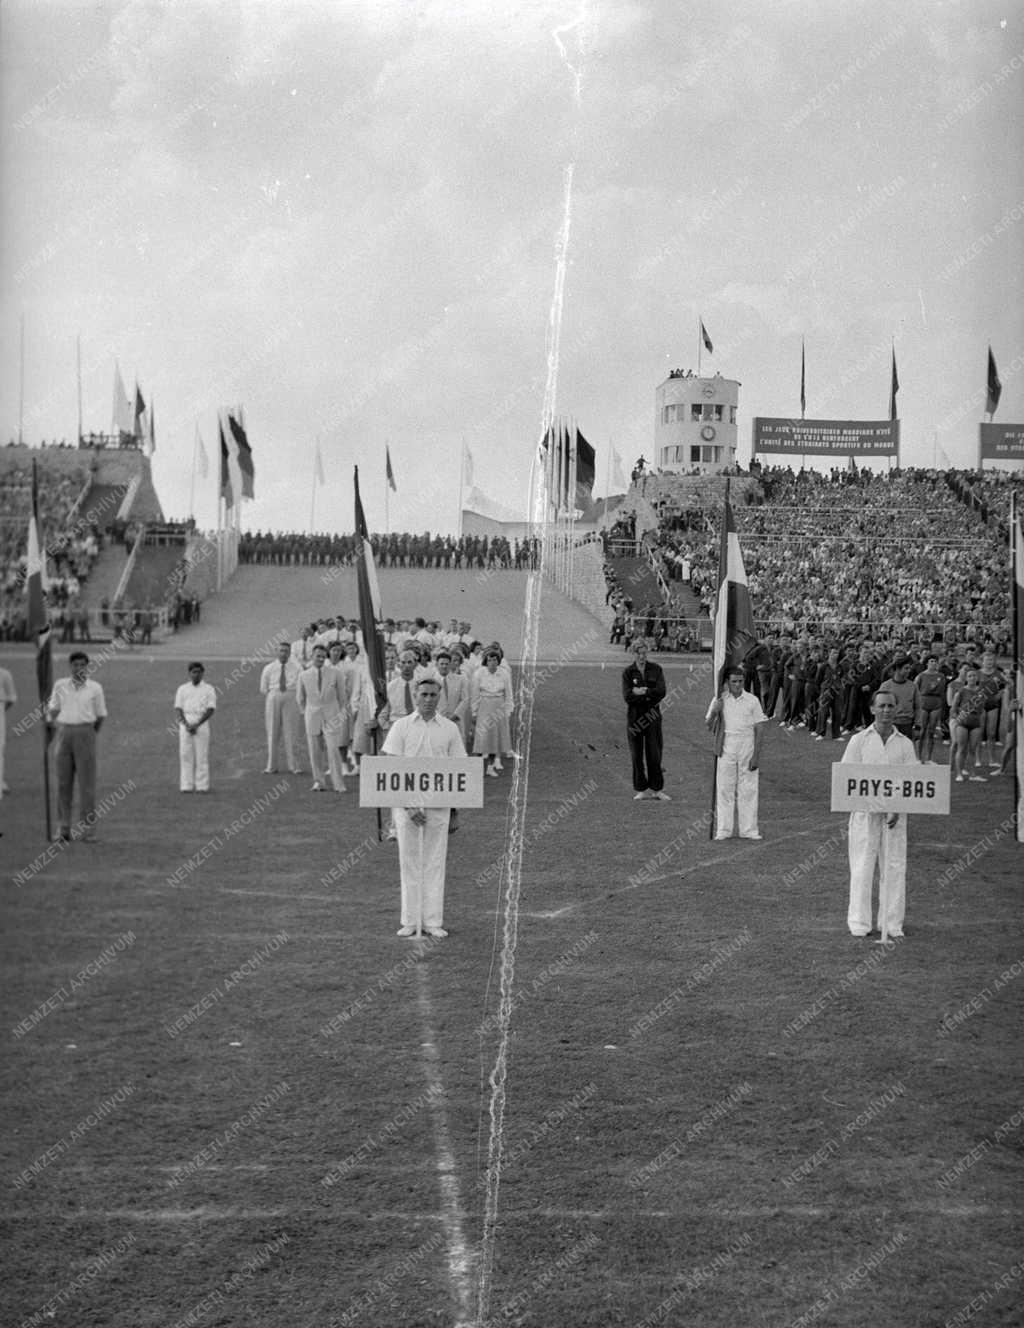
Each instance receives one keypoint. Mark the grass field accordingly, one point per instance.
(234, 1097)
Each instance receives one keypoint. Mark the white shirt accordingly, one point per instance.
(270, 678)
(302, 651)
(867, 748)
(741, 714)
(71, 704)
(412, 735)
(193, 701)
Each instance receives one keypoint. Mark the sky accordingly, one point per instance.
(345, 217)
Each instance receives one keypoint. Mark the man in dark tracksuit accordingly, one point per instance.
(643, 690)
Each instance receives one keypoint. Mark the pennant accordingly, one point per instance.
(122, 416)
(244, 453)
(226, 490)
(202, 458)
(370, 612)
(389, 474)
(585, 468)
(734, 617)
(894, 387)
(706, 339)
(994, 388)
(803, 380)
(140, 411)
(318, 464)
(37, 619)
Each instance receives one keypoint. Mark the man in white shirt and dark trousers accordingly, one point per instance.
(738, 722)
(78, 708)
(281, 713)
(423, 831)
(879, 836)
(194, 703)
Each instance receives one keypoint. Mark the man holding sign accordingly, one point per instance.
(423, 831)
(879, 836)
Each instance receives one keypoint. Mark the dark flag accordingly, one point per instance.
(370, 613)
(389, 474)
(244, 451)
(226, 491)
(706, 339)
(734, 618)
(585, 471)
(894, 387)
(37, 618)
(995, 388)
(140, 411)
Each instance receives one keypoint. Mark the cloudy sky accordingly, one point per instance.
(344, 216)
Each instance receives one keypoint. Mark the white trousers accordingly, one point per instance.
(318, 743)
(281, 715)
(422, 854)
(194, 758)
(737, 785)
(871, 842)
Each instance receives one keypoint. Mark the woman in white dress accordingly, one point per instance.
(491, 705)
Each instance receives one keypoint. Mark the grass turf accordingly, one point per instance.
(721, 1109)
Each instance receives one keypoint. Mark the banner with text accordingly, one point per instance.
(890, 788)
(841, 438)
(1001, 442)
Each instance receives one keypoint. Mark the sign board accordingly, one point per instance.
(421, 781)
(921, 789)
(1001, 442)
(841, 438)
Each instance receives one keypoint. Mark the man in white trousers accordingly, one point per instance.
(320, 694)
(739, 724)
(278, 682)
(878, 836)
(423, 831)
(194, 704)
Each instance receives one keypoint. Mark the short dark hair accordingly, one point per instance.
(196, 664)
(76, 655)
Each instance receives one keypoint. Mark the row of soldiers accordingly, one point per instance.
(485, 553)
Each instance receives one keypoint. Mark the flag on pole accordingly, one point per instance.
(995, 388)
(121, 422)
(370, 612)
(140, 411)
(734, 617)
(1017, 718)
(318, 464)
(244, 453)
(585, 470)
(894, 387)
(803, 379)
(204, 460)
(38, 622)
(226, 489)
(705, 338)
(149, 430)
(389, 474)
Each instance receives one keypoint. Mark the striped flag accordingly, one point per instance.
(35, 583)
(734, 618)
(1017, 538)
(388, 472)
(705, 338)
(243, 452)
(226, 489)
(370, 612)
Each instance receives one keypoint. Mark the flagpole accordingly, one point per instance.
(700, 346)
(78, 360)
(21, 382)
(192, 485)
(462, 477)
(607, 482)
(312, 501)
(387, 490)
(723, 573)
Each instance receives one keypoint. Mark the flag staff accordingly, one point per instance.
(607, 482)
(312, 501)
(21, 387)
(192, 485)
(700, 344)
(716, 662)
(78, 361)
(462, 478)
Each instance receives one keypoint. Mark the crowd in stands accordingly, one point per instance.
(294, 549)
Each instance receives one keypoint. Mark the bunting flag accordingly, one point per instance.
(244, 453)
(389, 474)
(122, 420)
(894, 387)
(706, 339)
(370, 612)
(994, 388)
(37, 619)
(1017, 719)
(226, 490)
(734, 617)
(318, 464)
(203, 459)
(140, 411)
(803, 379)
(585, 468)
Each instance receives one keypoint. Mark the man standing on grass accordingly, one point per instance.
(643, 690)
(78, 709)
(281, 713)
(878, 836)
(423, 831)
(194, 704)
(739, 723)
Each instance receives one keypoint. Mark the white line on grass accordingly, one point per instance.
(460, 1258)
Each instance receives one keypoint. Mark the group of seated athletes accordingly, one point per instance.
(950, 695)
(475, 689)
